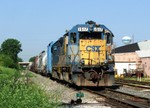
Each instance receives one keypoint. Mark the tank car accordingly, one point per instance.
(42, 62)
(82, 56)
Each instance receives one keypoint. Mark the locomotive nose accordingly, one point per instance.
(93, 51)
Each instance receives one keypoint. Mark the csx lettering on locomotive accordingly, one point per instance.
(93, 48)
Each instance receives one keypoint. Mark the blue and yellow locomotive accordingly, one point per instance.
(82, 56)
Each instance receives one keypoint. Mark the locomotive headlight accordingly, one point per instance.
(105, 66)
(106, 61)
(82, 62)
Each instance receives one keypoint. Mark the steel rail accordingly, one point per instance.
(123, 101)
(133, 82)
(131, 95)
(134, 85)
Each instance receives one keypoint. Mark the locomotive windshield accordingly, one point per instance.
(97, 35)
(92, 35)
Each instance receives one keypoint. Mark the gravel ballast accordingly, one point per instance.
(65, 94)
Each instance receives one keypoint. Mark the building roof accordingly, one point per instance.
(143, 45)
(143, 53)
(127, 48)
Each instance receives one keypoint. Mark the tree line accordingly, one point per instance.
(9, 51)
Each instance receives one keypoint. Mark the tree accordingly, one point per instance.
(6, 61)
(19, 59)
(32, 59)
(11, 47)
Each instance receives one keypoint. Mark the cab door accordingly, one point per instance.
(72, 49)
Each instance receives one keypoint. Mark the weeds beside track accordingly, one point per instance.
(17, 92)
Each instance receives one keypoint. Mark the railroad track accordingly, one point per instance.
(134, 85)
(133, 82)
(116, 98)
(123, 99)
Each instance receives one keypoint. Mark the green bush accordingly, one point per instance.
(6, 61)
(16, 92)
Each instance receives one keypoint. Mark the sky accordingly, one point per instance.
(35, 23)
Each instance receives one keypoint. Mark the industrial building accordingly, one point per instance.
(133, 58)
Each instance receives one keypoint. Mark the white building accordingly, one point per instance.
(133, 57)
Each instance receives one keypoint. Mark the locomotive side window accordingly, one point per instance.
(73, 38)
(109, 38)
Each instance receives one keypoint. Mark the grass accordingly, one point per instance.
(16, 92)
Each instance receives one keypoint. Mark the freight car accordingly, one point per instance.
(34, 66)
(42, 61)
(82, 56)
(39, 64)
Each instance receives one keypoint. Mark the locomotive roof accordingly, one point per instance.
(88, 24)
